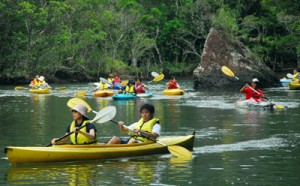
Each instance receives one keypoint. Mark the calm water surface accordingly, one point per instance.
(232, 146)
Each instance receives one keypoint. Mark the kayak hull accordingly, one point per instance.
(173, 92)
(104, 93)
(145, 95)
(40, 91)
(251, 103)
(62, 153)
(123, 96)
(285, 82)
(294, 85)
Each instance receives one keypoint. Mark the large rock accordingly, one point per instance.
(218, 52)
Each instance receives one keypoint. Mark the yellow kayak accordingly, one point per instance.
(40, 91)
(173, 92)
(294, 85)
(62, 153)
(104, 93)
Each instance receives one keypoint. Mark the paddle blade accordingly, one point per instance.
(81, 93)
(180, 152)
(105, 115)
(19, 88)
(154, 74)
(124, 83)
(289, 75)
(159, 77)
(105, 80)
(279, 106)
(227, 71)
(74, 101)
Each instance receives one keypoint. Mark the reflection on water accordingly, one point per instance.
(126, 172)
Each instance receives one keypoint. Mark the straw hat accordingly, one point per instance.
(81, 109)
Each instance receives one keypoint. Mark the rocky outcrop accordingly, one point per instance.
(219, 52)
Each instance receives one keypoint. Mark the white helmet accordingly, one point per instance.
(255, 80)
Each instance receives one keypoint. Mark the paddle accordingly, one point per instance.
(20, 88)
(157, 78)
(289, 75)
(102, 116)
(228, 72)
(175, 150)
(81, 93)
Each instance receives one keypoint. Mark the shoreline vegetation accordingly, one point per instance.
(80, 41)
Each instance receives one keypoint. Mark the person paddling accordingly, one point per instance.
(172, 84)
(86, 135)
(35, 83)
(296, 75)
(147, 125)
(140, 87)
(42, 83)
(253, 91)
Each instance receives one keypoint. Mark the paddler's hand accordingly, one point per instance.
(53, 141)
(121, 123)
(76, 130)
(137, 131)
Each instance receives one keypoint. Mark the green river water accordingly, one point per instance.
(232, 146)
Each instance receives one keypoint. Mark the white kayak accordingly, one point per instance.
(145, 95)
(252, 103)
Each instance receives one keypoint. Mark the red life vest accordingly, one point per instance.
(117, 80)
(139, 88)
(172, 84)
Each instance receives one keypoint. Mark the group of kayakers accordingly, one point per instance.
(39, 83)
(133, 87)
(147, 125)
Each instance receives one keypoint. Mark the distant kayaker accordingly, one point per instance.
(172, 84)
(147, 125)
(117, 80)
(35, 83)
(140, 87)
(43, 83)
(86, 135)
(129, 89)
(296, 75)
(102, 86)
(110, 78)
(253, 91)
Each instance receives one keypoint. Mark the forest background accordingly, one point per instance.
(81, 40)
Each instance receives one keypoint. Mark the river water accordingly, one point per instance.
(232, 146)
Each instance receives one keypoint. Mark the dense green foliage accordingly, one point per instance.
(83, 39)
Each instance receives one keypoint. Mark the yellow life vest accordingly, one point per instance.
(77, 138)
(296, 76)
(35, 82)
(103, 86)
(147, 127)
(129, 89)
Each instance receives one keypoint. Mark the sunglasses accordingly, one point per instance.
(73, 111)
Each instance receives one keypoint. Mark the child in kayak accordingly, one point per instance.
(253, 91)
(147, 125)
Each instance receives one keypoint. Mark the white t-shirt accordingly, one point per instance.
(156, 128)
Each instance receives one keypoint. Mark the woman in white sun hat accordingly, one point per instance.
(253, 91)
(86, 135)
(43, 83)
